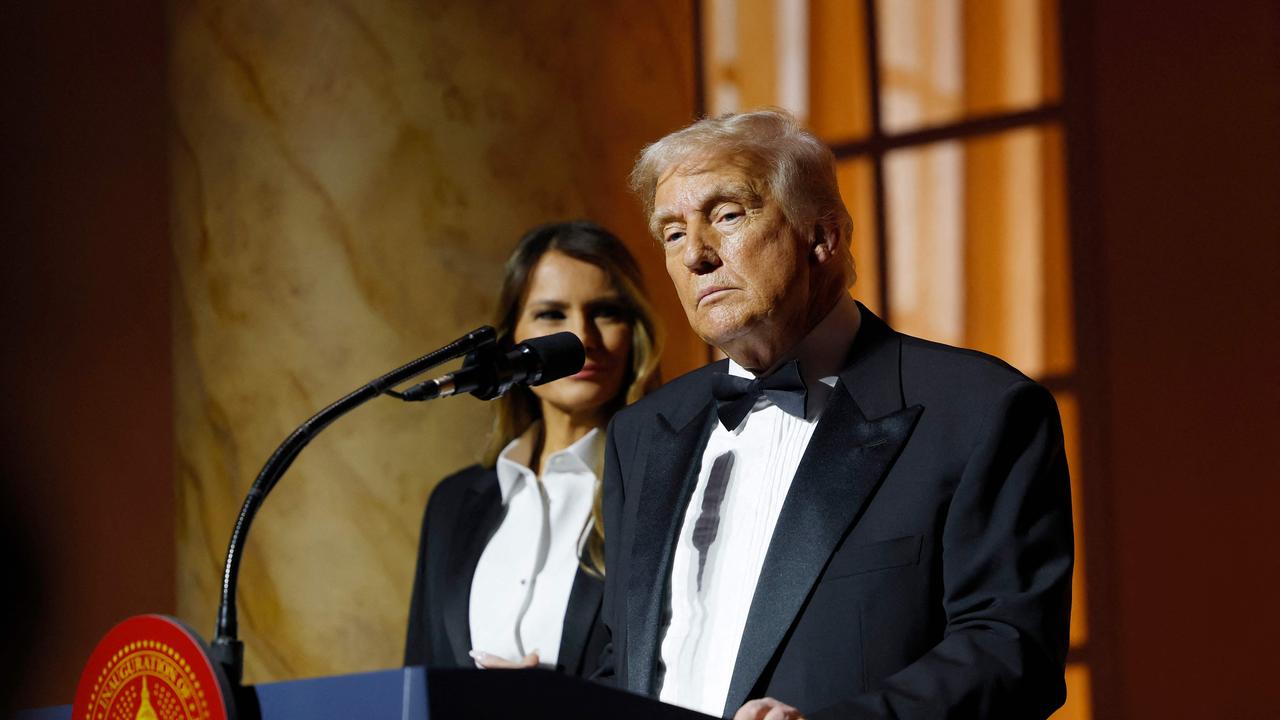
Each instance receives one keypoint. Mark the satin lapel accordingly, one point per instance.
(579, 616)
(478, 518)
(672, 470)
(840, 471)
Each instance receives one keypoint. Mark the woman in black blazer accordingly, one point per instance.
(511, 556)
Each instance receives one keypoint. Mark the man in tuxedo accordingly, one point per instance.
(837, 521)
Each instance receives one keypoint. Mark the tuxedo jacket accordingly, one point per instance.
(921, 563)
(462, 515)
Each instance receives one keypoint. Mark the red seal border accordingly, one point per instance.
(143, 632)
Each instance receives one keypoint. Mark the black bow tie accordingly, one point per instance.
(735, 396)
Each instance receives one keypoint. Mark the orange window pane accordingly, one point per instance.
(977, 246)
(1069, 408)
(925, 214)
(756, 53)
(839, 89)
(943, 60)
(1017, 266)
(856, 188)
(1079, 705)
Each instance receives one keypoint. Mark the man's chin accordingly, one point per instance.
(718, 334)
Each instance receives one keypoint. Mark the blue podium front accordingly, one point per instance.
(402, 694)
(398, 694)
(384, 695)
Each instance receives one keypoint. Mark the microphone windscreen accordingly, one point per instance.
(561, 355)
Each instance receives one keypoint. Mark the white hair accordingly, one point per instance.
(796, 168)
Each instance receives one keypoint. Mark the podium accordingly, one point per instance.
(414, 694)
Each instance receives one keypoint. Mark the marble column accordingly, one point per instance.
(347, 181)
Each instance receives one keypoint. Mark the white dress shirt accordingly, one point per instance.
(523, 579)
(743, 481)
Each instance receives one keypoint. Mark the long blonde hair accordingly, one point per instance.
(519, 408)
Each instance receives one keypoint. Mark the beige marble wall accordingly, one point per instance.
(348, 178)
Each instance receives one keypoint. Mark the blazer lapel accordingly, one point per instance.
(670, 475)
(478, 518)
(579, 616)
(847, 458)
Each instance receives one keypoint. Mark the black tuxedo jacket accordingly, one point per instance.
(921, 564)
(464, 511)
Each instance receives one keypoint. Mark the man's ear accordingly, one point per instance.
(824, 242)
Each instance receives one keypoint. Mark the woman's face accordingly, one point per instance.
(571, 295)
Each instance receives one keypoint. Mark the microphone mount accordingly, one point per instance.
(486, 356)
(490, 373)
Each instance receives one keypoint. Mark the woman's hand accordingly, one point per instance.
(489, 661)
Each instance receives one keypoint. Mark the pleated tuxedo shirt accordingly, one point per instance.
(743, 481)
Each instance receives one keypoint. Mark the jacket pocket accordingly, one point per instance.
(882, 555)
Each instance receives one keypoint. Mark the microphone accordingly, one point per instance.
(488, 374)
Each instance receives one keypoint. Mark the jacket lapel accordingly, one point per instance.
(579, 616)
(478, 518)
(672, 471)
(847, 458)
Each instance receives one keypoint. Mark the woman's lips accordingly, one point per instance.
(588, 371)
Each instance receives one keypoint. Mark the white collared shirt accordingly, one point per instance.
(522, 582)
(743, 481)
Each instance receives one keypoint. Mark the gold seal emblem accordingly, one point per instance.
(147, 680)
(151, 667)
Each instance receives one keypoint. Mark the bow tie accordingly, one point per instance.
(735, 396)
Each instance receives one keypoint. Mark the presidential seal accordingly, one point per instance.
(151, 667)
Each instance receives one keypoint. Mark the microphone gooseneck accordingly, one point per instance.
(226, 648)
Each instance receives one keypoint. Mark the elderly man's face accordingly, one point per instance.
(742, 273)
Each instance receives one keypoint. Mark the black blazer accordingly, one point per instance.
(921, 564)
(464, 511)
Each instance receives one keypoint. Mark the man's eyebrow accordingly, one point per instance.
(732, 192)
(737, 191)
(659, 218)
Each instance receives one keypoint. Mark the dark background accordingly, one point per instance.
(86, 439)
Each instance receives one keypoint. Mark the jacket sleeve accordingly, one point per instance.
(425, 641)
(1007, 554)
(606, 670)
(417, 646)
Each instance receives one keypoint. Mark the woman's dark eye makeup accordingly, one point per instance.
(601, 309)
